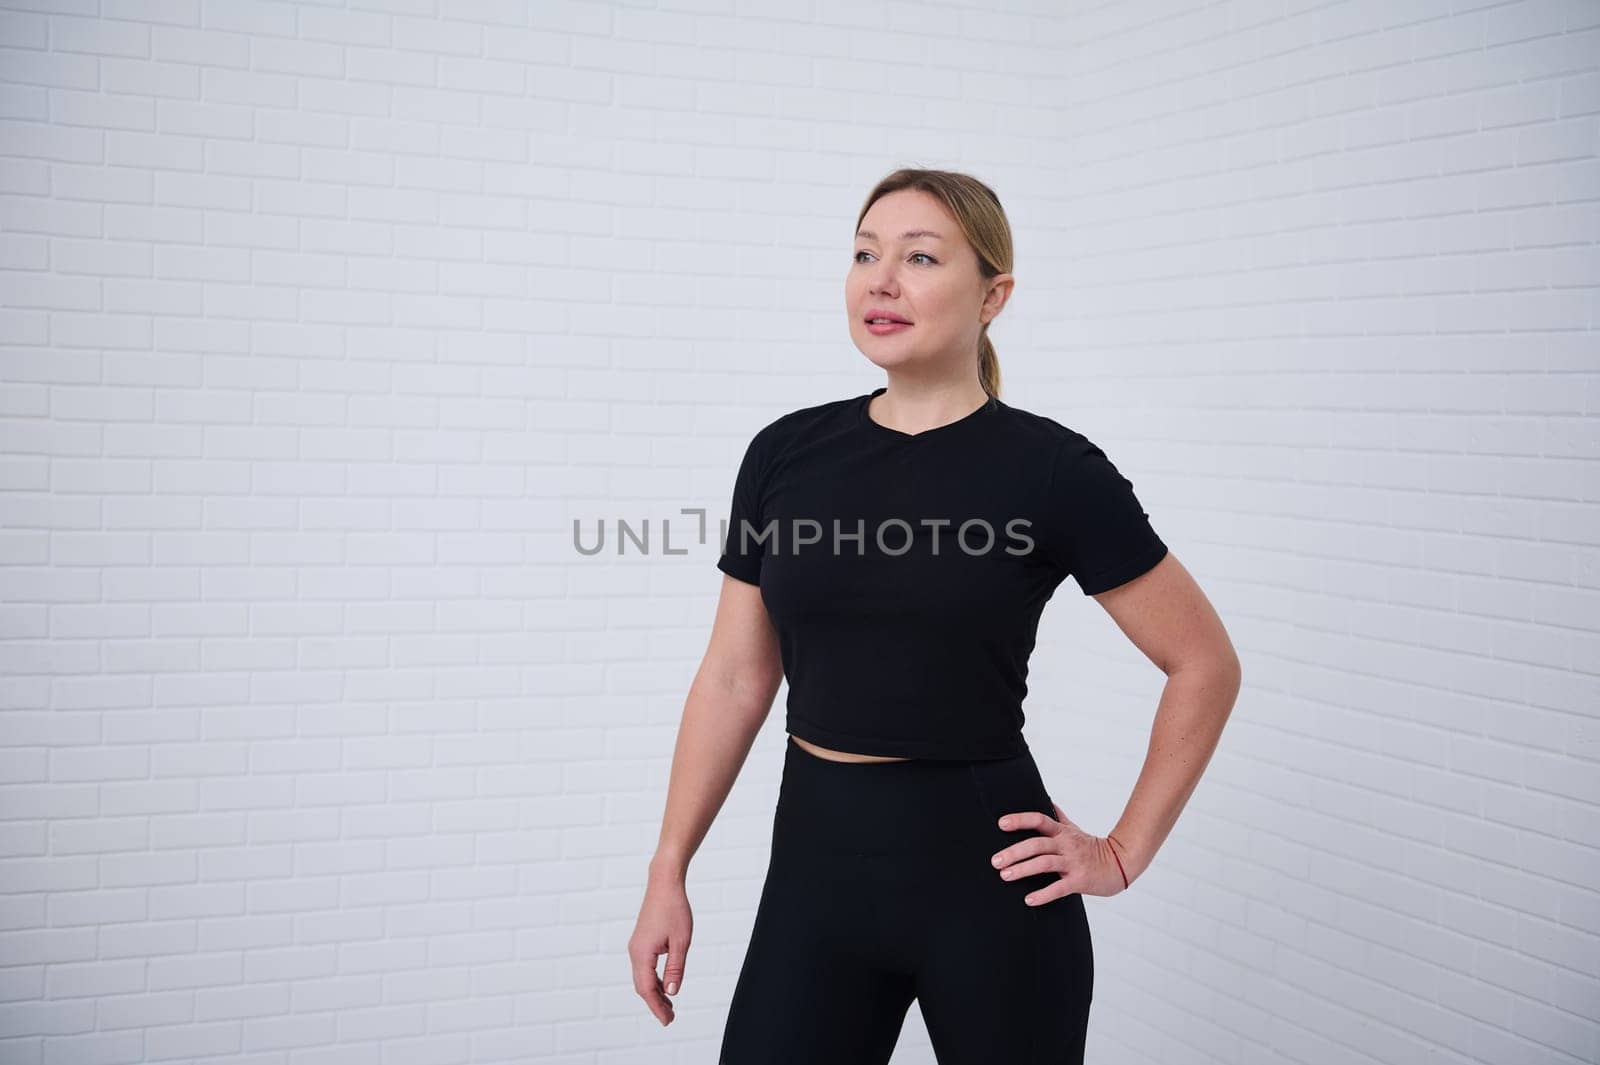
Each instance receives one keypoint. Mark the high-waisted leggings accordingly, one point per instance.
(880, 890)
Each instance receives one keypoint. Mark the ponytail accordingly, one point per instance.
(988, 364)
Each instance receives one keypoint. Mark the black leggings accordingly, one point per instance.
(880, 891)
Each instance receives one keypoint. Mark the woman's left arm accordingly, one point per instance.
(1169, 618)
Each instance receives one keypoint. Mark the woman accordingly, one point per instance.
(891, 554)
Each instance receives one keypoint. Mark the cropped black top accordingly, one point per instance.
(905, 573)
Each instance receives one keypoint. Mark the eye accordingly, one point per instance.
(914, 255)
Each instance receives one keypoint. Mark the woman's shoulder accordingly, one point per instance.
(809, 420)
(1033, 429)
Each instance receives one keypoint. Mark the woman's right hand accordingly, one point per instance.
(665, 926)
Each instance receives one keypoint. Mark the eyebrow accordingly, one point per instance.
(907, 235)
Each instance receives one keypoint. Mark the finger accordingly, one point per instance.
(1026, 819)
(643, 961)
(646, 984)
(661, 1006)
(1018, 851)
(1049, 894)
(1034, 865)
(673, 977)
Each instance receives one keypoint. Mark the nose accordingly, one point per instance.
(881, 277)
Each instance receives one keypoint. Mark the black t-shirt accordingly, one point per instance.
(905, 573)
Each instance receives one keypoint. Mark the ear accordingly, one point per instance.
(999, 291)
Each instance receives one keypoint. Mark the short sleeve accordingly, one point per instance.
(744, 543)
(1097, 530)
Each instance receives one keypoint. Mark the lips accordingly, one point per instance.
(890, 315)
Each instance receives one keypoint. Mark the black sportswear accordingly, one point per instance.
(880, 892)
(905, 573)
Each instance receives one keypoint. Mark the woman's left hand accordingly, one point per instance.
(1084, 863)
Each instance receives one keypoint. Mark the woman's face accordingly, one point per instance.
(912, 262)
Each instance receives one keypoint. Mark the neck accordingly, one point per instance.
(913, 406)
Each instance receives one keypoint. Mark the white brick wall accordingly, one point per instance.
(321, 324)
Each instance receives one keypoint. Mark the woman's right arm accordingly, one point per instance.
(728, 701)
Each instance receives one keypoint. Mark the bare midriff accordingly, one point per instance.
(843, 756)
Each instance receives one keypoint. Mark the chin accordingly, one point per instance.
(885, 360)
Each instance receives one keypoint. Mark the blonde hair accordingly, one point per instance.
(983, 222)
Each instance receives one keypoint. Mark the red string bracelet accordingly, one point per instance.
(1121, 870)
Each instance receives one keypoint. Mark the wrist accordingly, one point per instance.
(1130, 861)
(668, 868)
